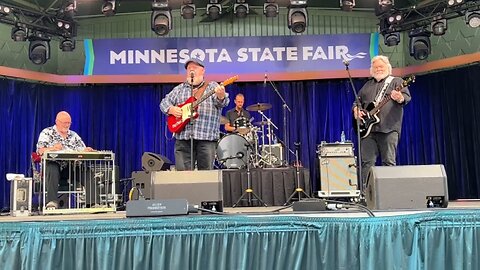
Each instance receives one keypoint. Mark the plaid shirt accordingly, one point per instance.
(207, 125)
(50, 136)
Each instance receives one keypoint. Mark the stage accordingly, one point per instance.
(248, 238)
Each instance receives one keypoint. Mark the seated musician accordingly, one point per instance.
(236, 114)
(57, 138)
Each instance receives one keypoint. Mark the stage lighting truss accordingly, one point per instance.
(214, 9)
(427, 14)
(188, 10)
(109, 8)
(347, 5)
(270, 8)
(161, 19)
(241, 8)
(297, 16)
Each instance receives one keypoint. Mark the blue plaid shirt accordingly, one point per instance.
(207, 125)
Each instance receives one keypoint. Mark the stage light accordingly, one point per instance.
(419, 43)
(451, 3)
(69, 9)
(439, 26)
(188, 10)
(214, 9)
(4, 10)
(472, 18)
(270, 8)
(347, 5)
(395, 18)
(67, 45)
(383, 6)
(297, 16)
(19, 33)
(109, 8)
(39, 49)
(241, 9)
(161, 18)
(391, 39)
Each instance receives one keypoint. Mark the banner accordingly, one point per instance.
(237, 55)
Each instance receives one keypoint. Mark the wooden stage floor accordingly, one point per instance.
(252, 211)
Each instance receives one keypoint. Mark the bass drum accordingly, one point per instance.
(232, 151)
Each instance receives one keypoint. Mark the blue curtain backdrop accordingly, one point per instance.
(441, 123)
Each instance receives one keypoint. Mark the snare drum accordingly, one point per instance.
(242, 125)
(232, 151)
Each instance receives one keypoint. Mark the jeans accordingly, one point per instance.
(375, 143)
(203, 154)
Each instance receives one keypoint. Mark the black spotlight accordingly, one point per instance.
(472, 18)
(188, 10)
(4, 10)
(297, 16)
(67, 45)
(214, 9)
(391, 39)
(39, 50)
(439, 27)
(347, 5)
(241, 9)
(109, 8)
(270, 8)
(19, 33)
(161, 18)
(383, 7)
(419, 43)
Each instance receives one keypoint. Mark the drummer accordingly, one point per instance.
(238, 118)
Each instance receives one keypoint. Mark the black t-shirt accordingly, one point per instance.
(233, 115)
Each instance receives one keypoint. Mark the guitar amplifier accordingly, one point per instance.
(335, 149)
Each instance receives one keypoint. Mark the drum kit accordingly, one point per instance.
(253, 144)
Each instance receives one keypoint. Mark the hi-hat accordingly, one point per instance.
(223, 120)
(259, 107)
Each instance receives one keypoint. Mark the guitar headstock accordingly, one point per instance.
(230, 80)
(406, 82)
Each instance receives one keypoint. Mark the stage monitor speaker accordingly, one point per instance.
(154, 162)
(195, 186)
(407, 187)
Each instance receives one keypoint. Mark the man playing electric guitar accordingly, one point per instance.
(206, 125)
(383, 137)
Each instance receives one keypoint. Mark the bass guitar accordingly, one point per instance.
(371, 118)
(177, 124)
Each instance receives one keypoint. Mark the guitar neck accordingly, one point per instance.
(385, 100)
(203, 98)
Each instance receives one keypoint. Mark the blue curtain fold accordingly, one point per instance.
(441, 123)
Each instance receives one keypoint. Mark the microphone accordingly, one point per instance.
(192, 74)
(265, 80)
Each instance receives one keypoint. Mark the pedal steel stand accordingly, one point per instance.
(249, 190)
(298, 190)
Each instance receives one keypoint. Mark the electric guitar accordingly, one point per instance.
(176, 125)
(371, 112)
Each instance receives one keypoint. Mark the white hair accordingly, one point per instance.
(383, 59)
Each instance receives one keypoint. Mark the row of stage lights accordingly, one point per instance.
(422, 21)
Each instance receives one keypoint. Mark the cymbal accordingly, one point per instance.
(259, 107)
(260, 123)
(223, 120)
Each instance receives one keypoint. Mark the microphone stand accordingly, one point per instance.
(358, 105)
(192, 163)
(285, 133)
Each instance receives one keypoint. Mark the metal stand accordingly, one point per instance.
(249, 193)
(192, 163)
(298, 190)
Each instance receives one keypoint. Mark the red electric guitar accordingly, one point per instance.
(175, 125)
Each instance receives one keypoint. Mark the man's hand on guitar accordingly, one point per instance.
(175, 111)
(397, 96)
(220, 92)
(356, 113)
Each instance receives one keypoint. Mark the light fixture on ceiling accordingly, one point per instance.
(188, 10)
(109, 8)
(347, 5)
(161, 17)
(214, 9)
(270, 8)
(241, 8)
(419, 45)
(297, 16)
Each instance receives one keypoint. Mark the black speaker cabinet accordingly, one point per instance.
(195, 186)
(154, 162)
(407, 187)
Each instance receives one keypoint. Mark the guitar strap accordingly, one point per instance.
(380, 94)
(198, 94)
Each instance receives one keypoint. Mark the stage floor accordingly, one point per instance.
(255, 211)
